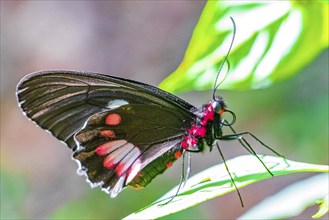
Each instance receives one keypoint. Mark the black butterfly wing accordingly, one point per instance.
(129, 145)
(62, 101)
(68, 104)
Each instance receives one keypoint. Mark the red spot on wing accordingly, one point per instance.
(169, 164)
(138, 186)
(108, 133)
(178, 154)
(113, 119)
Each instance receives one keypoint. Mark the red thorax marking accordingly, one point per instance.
(189, 142)
(113, 119)
(198, 130)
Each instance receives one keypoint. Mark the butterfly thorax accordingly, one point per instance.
(206, 128)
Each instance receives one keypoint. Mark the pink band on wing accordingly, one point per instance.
(129, 159)
(116, 156)
(108, 147)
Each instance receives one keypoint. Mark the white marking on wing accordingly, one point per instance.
(118, 186)
(112, 159)
(116, 103)
(127, 161)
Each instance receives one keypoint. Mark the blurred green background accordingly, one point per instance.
(144, 41)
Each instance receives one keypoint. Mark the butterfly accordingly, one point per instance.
(122, 132)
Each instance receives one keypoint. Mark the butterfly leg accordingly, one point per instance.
(247, 146)
(239, 136)
(188, 168)
(229, 173)
(184, 177)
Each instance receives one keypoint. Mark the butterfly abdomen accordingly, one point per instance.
(158, 166)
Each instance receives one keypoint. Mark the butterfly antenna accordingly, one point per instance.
(225, 60)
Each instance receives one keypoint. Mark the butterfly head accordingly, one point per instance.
(219, 105)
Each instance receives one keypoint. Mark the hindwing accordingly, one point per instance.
(116, 145)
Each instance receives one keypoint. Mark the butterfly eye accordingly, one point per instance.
(217, 106)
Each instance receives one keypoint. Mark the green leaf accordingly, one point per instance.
(12, 193)
(274, 40)
(292, 200)
(215, 182)
(324, 207)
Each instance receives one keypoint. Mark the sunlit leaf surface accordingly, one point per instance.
(215, 182)
(274, 40)
(292, 200)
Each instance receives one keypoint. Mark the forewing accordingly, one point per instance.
(62, 101)
(115, 146)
